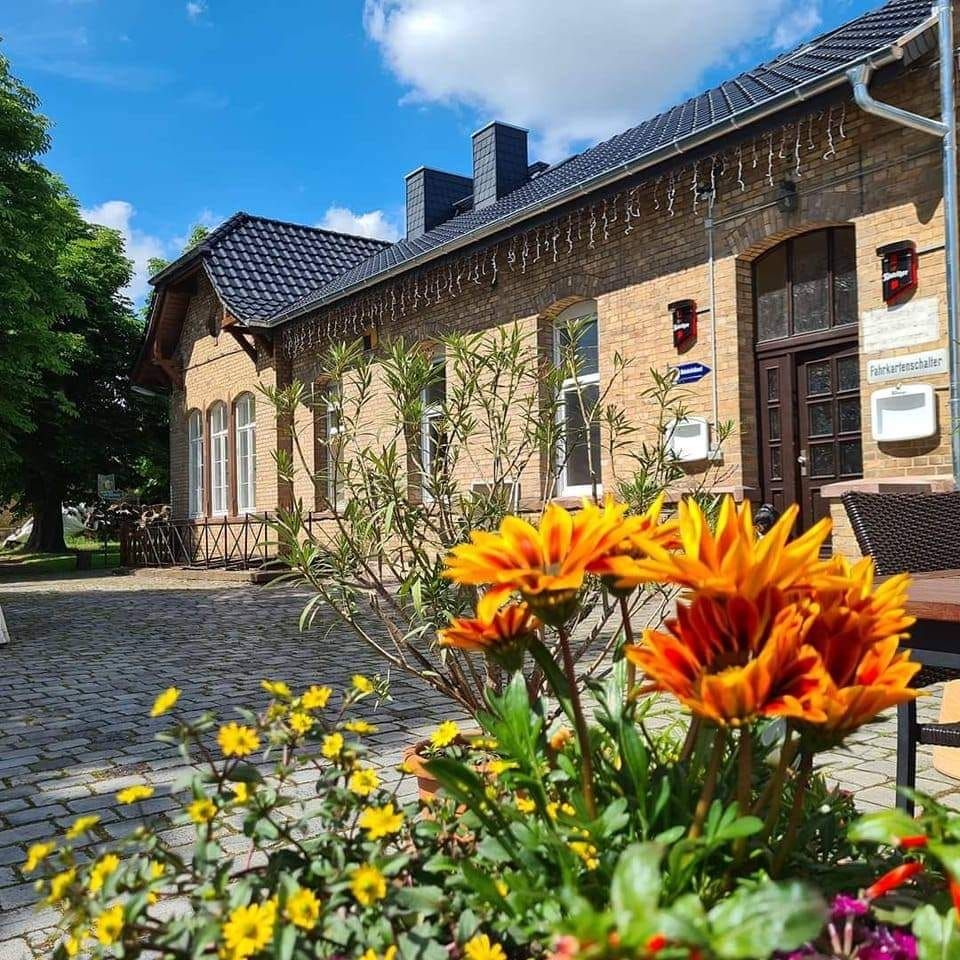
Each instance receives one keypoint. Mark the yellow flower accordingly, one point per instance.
(101, 870)
(445, 734)
(202, 810)
(60, 883)
(481, 947)
(315, 698)
(526, 805)
(241, 792)
(82, 825)
(389, 954)
(587, 852)
(368, 885)
(165, 701)
(249, 929)
(303, 909)
(276, 688)
(332, 745)
(560, 739)
(109, 925)
(36, 854)
(363, 685)
(364, 781)
(135, 793)
(380, 821)
(483, 743)
(237, 740)
(496, 767)
(554, 809)
(72, 945)
(501, 886)
(360, 727)
(300, 722)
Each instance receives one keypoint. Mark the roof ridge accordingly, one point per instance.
(315, 229)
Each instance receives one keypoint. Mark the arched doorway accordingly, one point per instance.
(808, 368)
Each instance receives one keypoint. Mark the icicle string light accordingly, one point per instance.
(581, 228)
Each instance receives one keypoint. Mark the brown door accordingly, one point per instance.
(808, 389)
(829, 435)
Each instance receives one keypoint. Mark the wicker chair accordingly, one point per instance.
(915, 533)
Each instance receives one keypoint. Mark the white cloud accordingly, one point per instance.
(568, 70)
(140, 247)
(196, 9)
(796, 26)
(375, 223)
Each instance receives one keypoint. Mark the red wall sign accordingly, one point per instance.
(683, 315)
(899, 268)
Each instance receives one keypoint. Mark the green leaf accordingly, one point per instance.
(938, 936)
(556, 679)
(245, 773)
(887, 827)
(635, 888)
(948, 854)
(286, 942)
(755, 922)
(422, 899)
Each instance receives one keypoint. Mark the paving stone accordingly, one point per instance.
(16, 949)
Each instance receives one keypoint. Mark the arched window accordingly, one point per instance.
(433, 440)
(576, 353)
(218, 460)
(195, 463)
(245, 411)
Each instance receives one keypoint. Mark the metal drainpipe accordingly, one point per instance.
(945, 128)
(708, 223)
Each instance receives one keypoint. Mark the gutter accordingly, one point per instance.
(946, 130)
(742, 118)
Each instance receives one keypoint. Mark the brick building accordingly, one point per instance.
(759, 209)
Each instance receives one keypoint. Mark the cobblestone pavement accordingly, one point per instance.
(89, 652)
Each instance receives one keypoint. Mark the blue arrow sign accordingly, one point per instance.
(691, 372)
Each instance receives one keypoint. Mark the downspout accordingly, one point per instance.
(715, 353)
(945, 129)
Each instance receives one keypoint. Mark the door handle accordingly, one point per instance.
(802, 460)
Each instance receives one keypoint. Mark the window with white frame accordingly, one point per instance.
(577, 355)
(332, 444)
(195, 463)
(432, 437)
(219, 456)
(246, 420)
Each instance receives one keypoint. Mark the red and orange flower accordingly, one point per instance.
(500, 632)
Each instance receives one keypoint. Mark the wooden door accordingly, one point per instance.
(829, 437)
(778, 449)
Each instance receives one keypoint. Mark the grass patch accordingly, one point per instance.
(18, 560)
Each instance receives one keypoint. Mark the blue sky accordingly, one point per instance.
(172, 112)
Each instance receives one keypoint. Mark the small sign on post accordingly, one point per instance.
(690, 372)
(107, 487)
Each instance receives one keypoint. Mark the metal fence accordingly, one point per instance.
(234, 543)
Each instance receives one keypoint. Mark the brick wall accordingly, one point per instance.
(216, 368)
(884, 180)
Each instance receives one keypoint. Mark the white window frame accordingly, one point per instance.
(195, 463)
(219, 460)
(333, 431)
(431, 412)
(572, 385)
(245, 415)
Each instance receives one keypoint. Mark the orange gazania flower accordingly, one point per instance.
(501, 632)
(732, 661)
(731, 561)
(545, 564)
(856, 630)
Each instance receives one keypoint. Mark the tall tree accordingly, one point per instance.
(37, 218)
(71, 339)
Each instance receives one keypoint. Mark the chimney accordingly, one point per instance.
(499, 162)
(431, 195)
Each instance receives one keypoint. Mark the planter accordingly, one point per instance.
(415, 759)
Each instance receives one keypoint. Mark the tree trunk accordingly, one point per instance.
(47, 533)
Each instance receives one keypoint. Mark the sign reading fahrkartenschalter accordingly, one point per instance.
(924, 364)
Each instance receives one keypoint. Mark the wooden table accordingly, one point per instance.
(934, 599)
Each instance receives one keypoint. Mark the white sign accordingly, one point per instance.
(926, 364)
(905, 325)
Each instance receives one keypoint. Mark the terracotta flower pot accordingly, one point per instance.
(416, 757)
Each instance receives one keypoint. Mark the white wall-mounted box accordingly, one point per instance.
(904, 412)
(689, 440)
